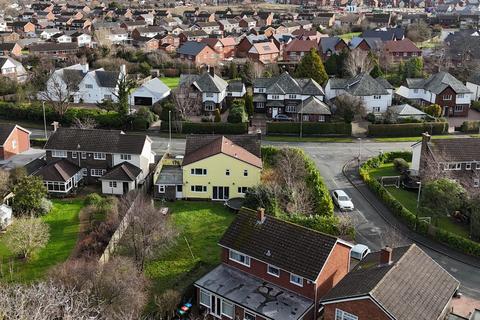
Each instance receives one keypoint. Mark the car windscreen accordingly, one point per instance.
(343, 198)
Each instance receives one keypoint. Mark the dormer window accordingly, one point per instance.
(239, 258)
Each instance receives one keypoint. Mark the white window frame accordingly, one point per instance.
(376, 97)
(209, 298)
(242, 190)
(97, 172)
(459, 108)
(299, 283)
(376, 109)
(447, 97)
(59, 153)
(342, 315)
(292, 96)
(193, 172)
(14, 143)
(277, 275)
(89, 86)
(232, 306)
(125, 156)
(112, 184)
(290, 109)
(476, 182)
(161, 188)
(247, 261)
(249, 316)
(84, 155)
(74, 155)
(84, 172)
(275, 97)
(453, 166)
(260, 105)
(468, 166)
(99, 156)
(245, 173)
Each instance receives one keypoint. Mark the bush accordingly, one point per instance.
(400, 164)
(237, 112)
(452, 240)
(45, 206)
(470, 126)
(309, 128)
(218, 118)
(214, 128)
(407, 129)
(475, 105)
(93, 199)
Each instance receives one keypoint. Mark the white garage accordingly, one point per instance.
(149, 93)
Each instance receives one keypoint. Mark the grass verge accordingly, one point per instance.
(411, 139)
(64, 226)
(307, 139)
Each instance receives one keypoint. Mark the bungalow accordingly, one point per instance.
(441, 88)
(376, 94)
(13, 140)
(267, 272)
(373, 289)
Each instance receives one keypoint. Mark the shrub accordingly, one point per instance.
(475, 105)
(93, 199)
(309, 128)
(45, 206)
(400, 164)
(470, 126)
(407, 129)
(217, 115)
(214, 127)
(237, 112)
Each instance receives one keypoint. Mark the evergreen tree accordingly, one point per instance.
(311, 66)
(249, 104)
(331, 65)
(414, 68)
(376, 70)
(218, 118)
(233, 70)
(248, 73)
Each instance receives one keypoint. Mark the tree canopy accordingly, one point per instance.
(311, 66)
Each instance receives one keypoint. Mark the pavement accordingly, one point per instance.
(375, 225)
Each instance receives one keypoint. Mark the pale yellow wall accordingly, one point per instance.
(216, 167)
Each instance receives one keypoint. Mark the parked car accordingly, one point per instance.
(282, 117)
(359, 251)
(342, 200)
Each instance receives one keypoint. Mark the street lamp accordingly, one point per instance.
(44, 120)
(301, 120)
(419, 192)
(169, 130)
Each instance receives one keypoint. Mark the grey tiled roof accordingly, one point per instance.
(208, 83)
(438, 82)
(124, 171)
(170, 175)
(191, 48)
(314, 106)
(413, 286)
(235, 86)
(285, 245)
(96, 140)
(361, 85)
(461, 149)
(286, 84)
(5, 130)
(61, 170)
(108, 79)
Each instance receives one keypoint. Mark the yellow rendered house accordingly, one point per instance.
(220, 168)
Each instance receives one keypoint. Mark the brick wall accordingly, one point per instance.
(364, 309)
(11, 148)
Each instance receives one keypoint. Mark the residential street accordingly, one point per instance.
(371, 227)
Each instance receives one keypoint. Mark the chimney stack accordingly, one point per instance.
(55, 125)
(386, 255)
(211, 70)
(85, 67)
(260, 215)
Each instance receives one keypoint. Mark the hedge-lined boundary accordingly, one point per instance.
(207, 127)
(470, 126)
(450, 239)
(407, 129)
(309, 128)
(323, 201)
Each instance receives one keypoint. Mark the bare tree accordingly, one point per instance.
(167, 302)
(149, 231)
(187, 101)
(87, 123)
(60, 89)
(45, 301)
(4, 183)
(358, 61)
(102, 36)
(26, 235)
(348, 106)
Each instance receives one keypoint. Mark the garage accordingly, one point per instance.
(142, 101)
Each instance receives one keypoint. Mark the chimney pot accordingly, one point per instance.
(260, 215)
(386, 255)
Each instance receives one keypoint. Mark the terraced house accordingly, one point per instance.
(272, 269)
(287, 95)
(119, 161)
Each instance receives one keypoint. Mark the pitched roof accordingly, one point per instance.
(107, 79)
(413, 286)
(286, 84)
(385, 33)
(283, 244)
(264, 48)
(405, 45)
(406, 110)
(361, 85)
(124, 171)
(208, 83)
(329, 43)
(438, 82)
(313, 105)
(461, 149)
(5, 131)
(225, 146)
(298, 45)
(96, 140)
(191, 48)
(60, 170)
(53, 46)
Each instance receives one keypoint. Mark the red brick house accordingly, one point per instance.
(22, 26)
(399, 284)
(10, 49)
(13, 140)
(272, 269)
(401, 49)
(296, 49)
(264, 52)
(198, 53)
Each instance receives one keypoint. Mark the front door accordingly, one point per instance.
(179, 191)
(446, 111)
(274, 112)
(221, 193)
(125, 187)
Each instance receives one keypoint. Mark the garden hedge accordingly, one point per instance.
(214, 127)
(309, 128)
(450, 239)
(407, 129)
(470, 126)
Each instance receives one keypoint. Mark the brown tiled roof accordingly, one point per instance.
(60, 170)
(222, 145)
(249, 142)
(413, 286)
(405, 45)
(298, 45)
(283, 244)
(461, 149)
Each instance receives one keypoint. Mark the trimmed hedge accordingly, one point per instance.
(409, 218)
(309, 128)
(407, 129)
(470, 126)
(323, 201)
(214, 127)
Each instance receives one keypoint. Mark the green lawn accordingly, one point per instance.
(201, 224)
(348, 36)
(409, 200)
(171, 82)
(64, 226)
(306, 139)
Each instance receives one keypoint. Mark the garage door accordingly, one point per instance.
(142, 101)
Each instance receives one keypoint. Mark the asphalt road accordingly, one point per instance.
(371, 229)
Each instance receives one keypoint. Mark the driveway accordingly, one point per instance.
(457, 121)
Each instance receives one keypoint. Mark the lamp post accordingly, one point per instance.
(419, 192)
(44, 120)
(359, 152)
(169, 130)
(301, 120)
